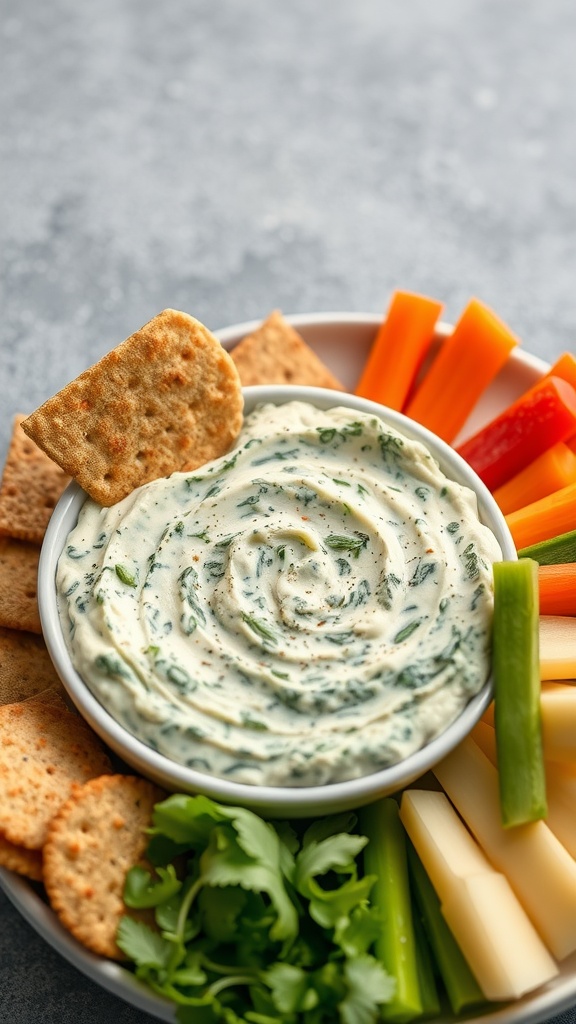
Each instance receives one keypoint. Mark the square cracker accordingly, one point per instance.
(31, 485)
(168, 398)
(25, 667)
(44, 750)
(276, 354)
(18, 578)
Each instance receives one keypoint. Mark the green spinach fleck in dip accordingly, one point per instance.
(312, 607)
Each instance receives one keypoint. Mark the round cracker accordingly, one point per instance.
(19, 859)
(98, 834)
(43, 751)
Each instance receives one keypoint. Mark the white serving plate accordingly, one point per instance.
(342, 340)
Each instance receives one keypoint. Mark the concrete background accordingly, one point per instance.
(228, 158)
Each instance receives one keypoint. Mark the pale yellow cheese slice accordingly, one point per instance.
(560, 782)
(561, 795)
(539, 868)
(485, 736)
(502, 947)
(558, 707)
(557, 647)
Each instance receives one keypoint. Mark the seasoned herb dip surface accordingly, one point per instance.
(312, 607)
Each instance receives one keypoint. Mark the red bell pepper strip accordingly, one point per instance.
(538, 419)
(565, 367)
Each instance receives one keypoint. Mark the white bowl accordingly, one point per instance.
(273, 801)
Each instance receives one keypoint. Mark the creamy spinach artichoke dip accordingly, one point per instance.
(312, 607)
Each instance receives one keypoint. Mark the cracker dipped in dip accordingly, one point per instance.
(311, 607)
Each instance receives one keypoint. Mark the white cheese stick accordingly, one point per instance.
(560, 786)
(539, 868)
(485, 736)
(557, 647)
(558, 705)
(558, 709)
(502, 947)
(561, 792)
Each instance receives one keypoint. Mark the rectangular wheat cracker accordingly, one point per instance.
(30, 488)
(276, 354)
(25, 666)
(44, 750)
(167, 398)
(18, 579)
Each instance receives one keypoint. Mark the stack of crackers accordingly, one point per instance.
(56, 780)
(168, 398)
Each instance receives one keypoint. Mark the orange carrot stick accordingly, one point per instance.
(543, 519)
(401, 343)
(564, 367)
(554, 469)
(557, 587)
(467, 362)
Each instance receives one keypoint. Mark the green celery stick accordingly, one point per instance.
(461, 986)
(556, 551)
(425, 965)
(516, 667)
(385, 857)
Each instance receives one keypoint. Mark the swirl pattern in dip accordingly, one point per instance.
(310, 608)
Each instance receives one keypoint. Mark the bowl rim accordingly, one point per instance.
(293, 802)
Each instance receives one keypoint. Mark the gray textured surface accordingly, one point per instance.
(226, 158)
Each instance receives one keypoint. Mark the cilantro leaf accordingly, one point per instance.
(333, 825)
(358, 932)
(368, 987)
(331, 907)
(141, 890)
(222, 912)
(186, 819)
(145, 947)
(225, 862)
(256, 837)
(336, 853)
(291, 991)
(289, 846)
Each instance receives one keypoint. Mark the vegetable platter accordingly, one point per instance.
(343, 341)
